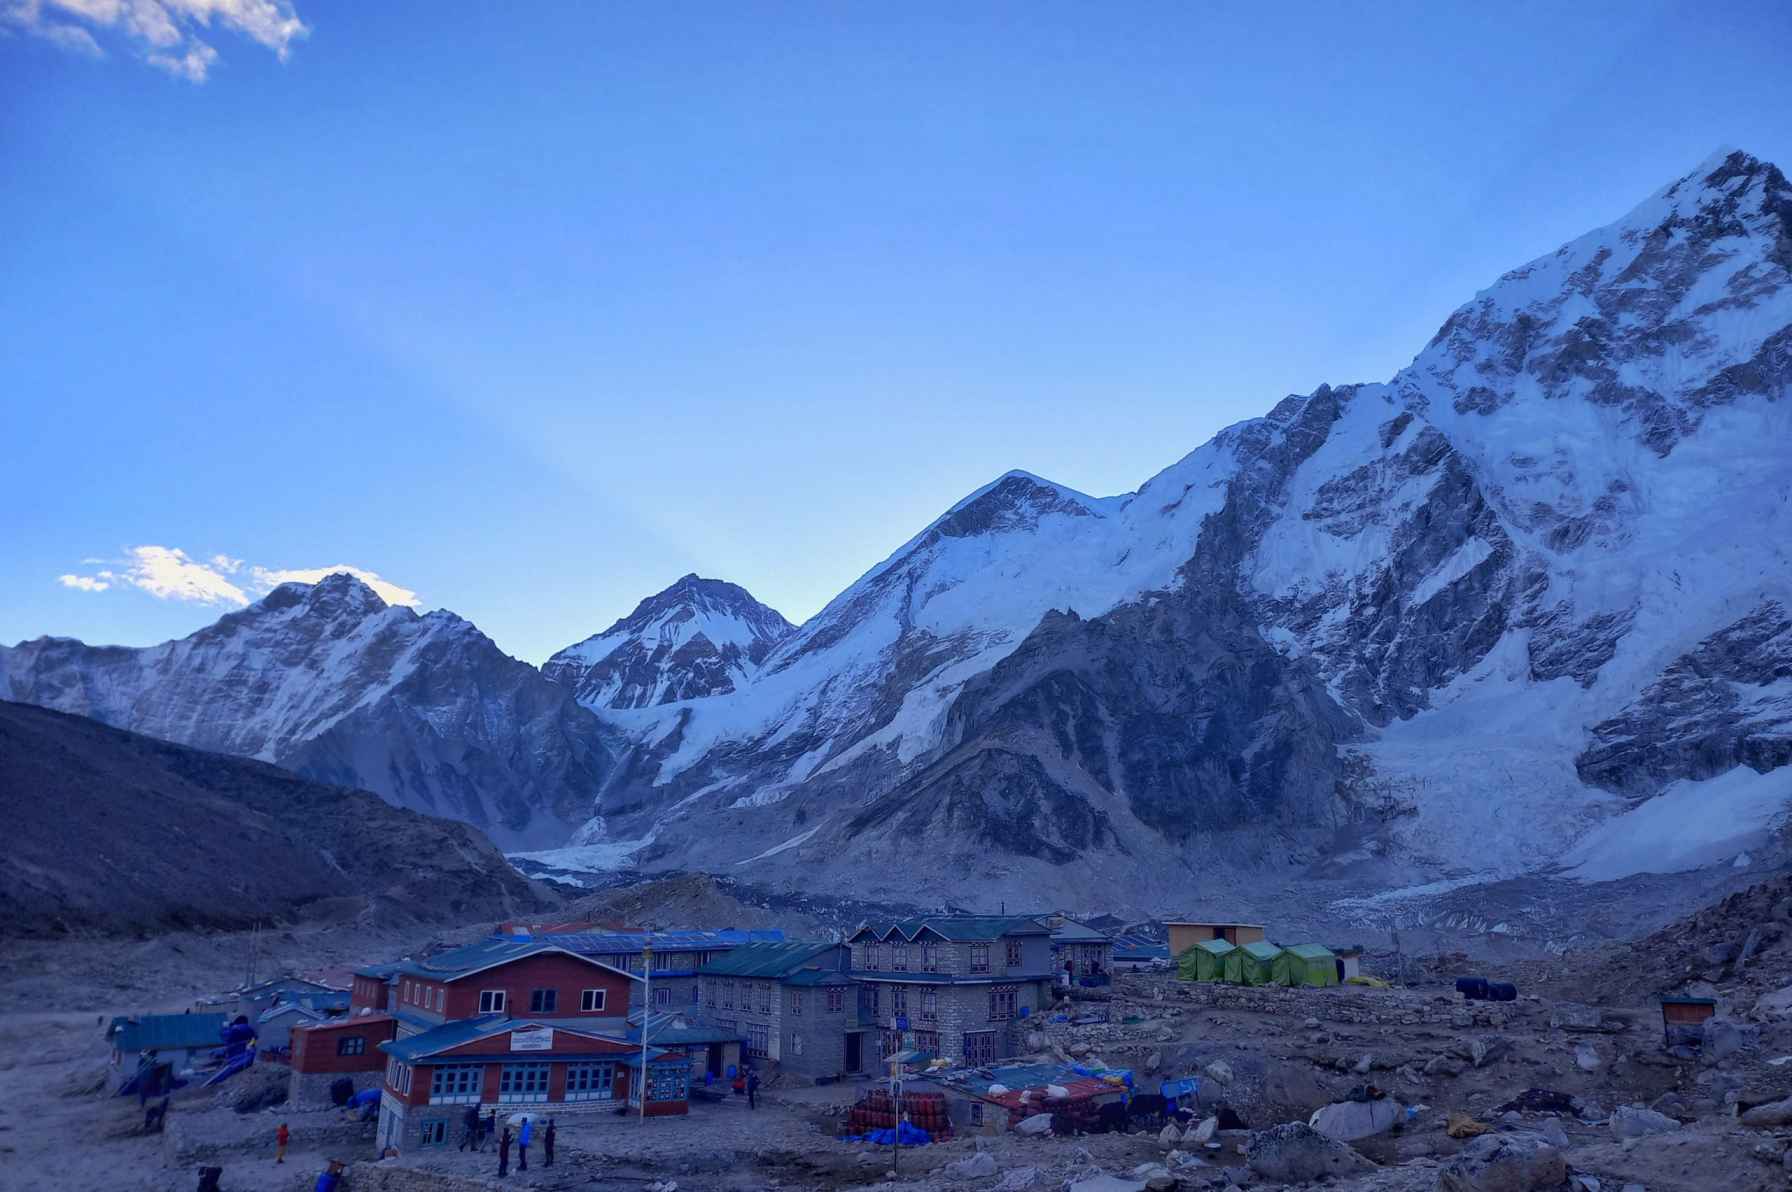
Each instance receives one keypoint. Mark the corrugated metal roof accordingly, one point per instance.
(957, 928)
(1072, 932)
(767, 960)
(173, 1032)
(465, 1030)
(617, 943)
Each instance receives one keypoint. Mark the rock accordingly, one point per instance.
(1723, 1037)
(1512, 1118)
(1169, 1136)
(1165, 1035)
(1036, 1041)
(1162, 1183)
(1485, 1051)
(1444, 1065)
(1586, 1183)
(1311, 1024)
(1079, 1049)
(1772, 1114)
(1018, 1179)
(1149, 1171)
(1295, 1153)
(1634, 1188)
(1364, 1065)
(1154, 1061)
(1633, 1121)
(1203, 1134)
(1105, 1183)
(1573, 1016)
(1553, 1133)
(1777, 1004)
(1348, 1121)
(1586, 1058)
(979, 1166)
(1518, 1162)
(1220, 1071)
(1039, 1123)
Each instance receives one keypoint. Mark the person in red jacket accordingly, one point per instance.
(281, 1137)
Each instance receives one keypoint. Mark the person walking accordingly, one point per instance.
(281, 1137)
(504, 1153)
(469, 1129)
(489, 1135)
(522, 1144)
(753, 1089)
(547, 1144)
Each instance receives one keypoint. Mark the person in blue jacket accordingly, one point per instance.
(522, 1144)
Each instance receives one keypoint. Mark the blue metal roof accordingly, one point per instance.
(616, 943)
(422, 1046)
(956, 928)
(770, 960)
(171, 1032)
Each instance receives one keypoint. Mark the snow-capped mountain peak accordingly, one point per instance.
(698, 637)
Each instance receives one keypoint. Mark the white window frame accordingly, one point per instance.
(530, 1095)
(465, 1095)
(592, 1001)
(601, 1083)
(492, 1001)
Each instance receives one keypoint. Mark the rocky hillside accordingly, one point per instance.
(699, 637)
(113, 831)
(328, 681)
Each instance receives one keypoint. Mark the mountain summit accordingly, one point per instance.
(697, 638)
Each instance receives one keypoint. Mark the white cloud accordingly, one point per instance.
(169, 573)
(162, 31)
(267, 579)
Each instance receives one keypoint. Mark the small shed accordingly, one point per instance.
(1350, 961)
(1206, 961)
(1255, 963)
(174, 1038)
(1683, 1020)
(1311, 964)
(1186, 933)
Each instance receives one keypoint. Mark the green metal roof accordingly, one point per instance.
(171, 1032)
(1312, 951)
(806, 978)
(1263, 949)
(1072, 932)
(768, 961)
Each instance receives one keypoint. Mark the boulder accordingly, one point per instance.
(1771, 1115)
(1220, 1071)
(1105, 1183)
(1018, 1180)
(1574, 1016)
(1586, 1058)
(1203, 1134)
(1348, 1121)
(1723, 1037)
(1169, 1137)
(1485, 1051)
(1295, 1153)
(1444, 1065)
(1364, 1065)
(1517, 1162)
(1633, 1121)
(979, 1166)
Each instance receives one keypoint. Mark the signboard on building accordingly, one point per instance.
(532, 1038)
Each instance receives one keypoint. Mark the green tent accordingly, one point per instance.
(1255, 964)
(1312, 964)
(1206, 961)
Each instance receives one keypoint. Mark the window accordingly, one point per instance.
(456, 1084)
(433, 1133)
(542, 1001)
(898, 1000)
(727, 995)
(796, 1001)
(979, 1048)
(591, 1082)
(757, 1039)
(351, 1045)
(1014, 958)
(868, 1001)
(796, 1045)
(836, 1000)
(441, 999)
(927, 1041)
(709, 993)
(398, 1076)
(592, 1000)
(662, 996)
(765, 998)
(930, 1003)
(693, 993)
(406, 996)
(1001, 1002)
(976, 1113)
(899, 958)
(979, 958)
(930, 958)
(523, 1082)
(888, 1043)
(491, 1001)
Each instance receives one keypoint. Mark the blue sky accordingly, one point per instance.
(532, 308)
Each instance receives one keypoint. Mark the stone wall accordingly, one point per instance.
(311, 1090)
(389, 1177)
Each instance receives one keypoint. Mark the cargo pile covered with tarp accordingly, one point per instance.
(1258, 963)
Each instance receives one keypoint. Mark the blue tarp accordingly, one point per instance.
(365, 1097)
(1187, 1086)
(912, 1135)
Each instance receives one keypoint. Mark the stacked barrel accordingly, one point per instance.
(876, 1111)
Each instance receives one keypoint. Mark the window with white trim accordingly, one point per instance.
(351, 1045)
(836, 1000)
(523, 1082)
(662, 996)
(796, 1001)
(758, 1039)
(765, 997)
(591, 1082)
(456, 1084)
(491, 1001)
(433, 1132)
(979, 958)
(441, 1000)
(592, 1000)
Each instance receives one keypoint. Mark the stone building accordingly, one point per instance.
(793, 1004)
(1088, 952)
(958, 986)
(324, 1052)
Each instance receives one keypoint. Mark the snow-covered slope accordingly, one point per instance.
(1462, 616)
(699, 637)
(329, 681)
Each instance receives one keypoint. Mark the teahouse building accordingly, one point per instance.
(793, 1004)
